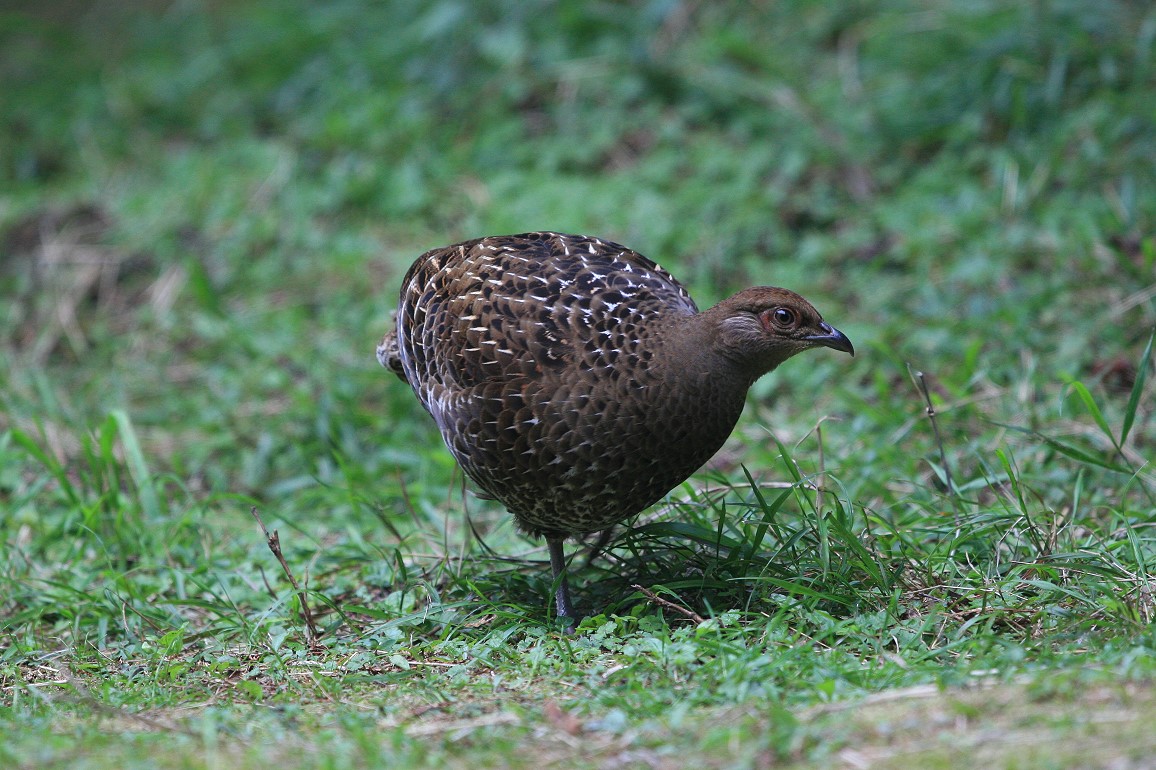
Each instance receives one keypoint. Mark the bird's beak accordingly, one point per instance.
(832, 338)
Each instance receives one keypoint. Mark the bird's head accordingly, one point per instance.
(761, 327)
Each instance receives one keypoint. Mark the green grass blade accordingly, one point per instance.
(1075, 453)
(1137, 389)
(1094, 410)
(796, 588)
(692, 532)
(768, 510)
(48, 462)
(137, 467)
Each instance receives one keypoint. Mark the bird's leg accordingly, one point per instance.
(599, 544)
(562, 593)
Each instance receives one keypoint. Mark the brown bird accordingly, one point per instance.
(575, 380)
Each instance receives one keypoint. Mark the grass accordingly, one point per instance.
(205, 211)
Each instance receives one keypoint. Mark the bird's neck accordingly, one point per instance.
(694, 379)
(693, 350)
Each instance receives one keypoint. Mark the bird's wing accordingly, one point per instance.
(507, 307)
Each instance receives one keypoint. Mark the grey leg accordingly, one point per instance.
(562, 595)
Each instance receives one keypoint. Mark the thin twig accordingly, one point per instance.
(921, 383)
(822, 470)
(405, 495)
(669, 604)
(265, 580)
(274, 543)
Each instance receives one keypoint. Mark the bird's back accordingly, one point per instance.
(526, 305)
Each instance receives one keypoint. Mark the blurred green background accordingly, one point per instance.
(968, 186)
(206, 209)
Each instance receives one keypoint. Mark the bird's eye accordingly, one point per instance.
(784, 317)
